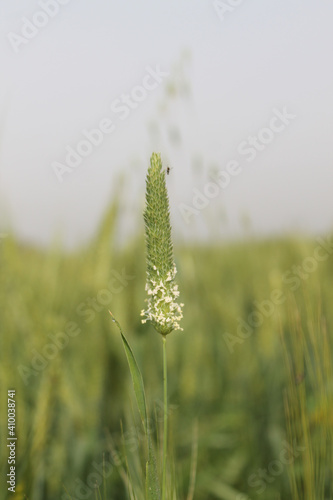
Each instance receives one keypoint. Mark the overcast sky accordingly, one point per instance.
(236, 95)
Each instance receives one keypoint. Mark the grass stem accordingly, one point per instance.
(165, 420)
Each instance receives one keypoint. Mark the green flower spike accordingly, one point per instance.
(163, 310)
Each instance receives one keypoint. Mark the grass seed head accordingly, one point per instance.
(163, 310)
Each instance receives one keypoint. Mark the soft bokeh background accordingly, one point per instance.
(226, 76)
(255, 400)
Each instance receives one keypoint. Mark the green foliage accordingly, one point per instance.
(275, 387)
(152, 484)
(137, 380)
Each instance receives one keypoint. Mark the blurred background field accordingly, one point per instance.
(271, 388)
(250, 377)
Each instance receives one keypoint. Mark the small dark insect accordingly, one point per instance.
(168, 170)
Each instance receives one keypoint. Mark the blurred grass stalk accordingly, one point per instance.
(308, 401)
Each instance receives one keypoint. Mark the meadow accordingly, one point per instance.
(250, 377)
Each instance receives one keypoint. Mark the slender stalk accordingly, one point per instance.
(165, 430)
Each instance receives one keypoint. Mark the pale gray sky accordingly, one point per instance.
(66, 62)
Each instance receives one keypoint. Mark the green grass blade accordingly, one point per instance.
(136, 377)
(194, 462)
(152, 484)
(137, 381)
